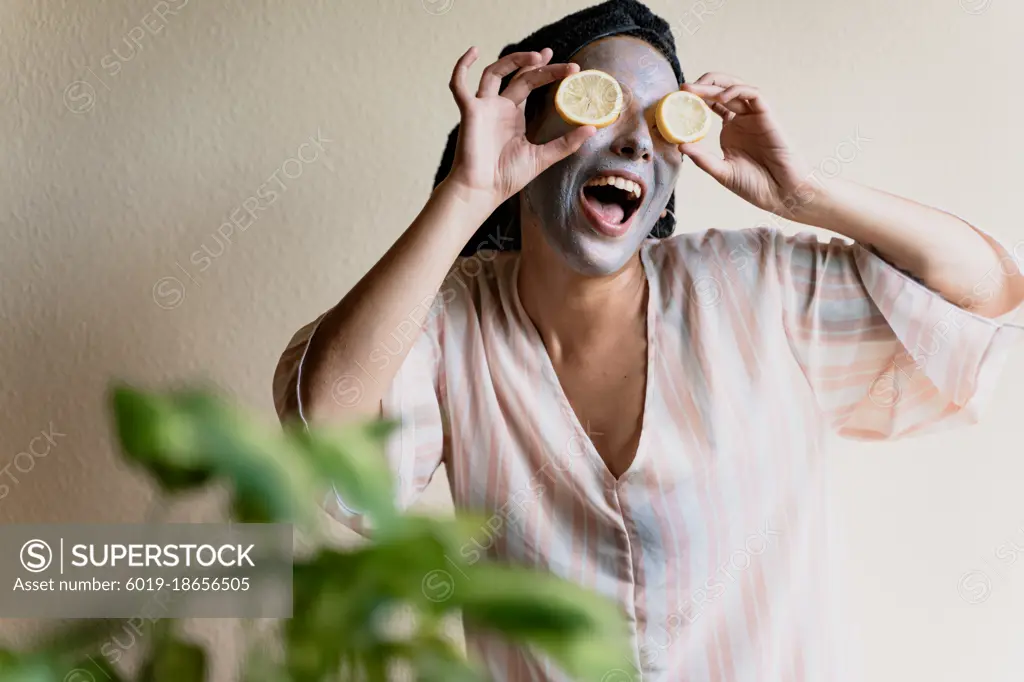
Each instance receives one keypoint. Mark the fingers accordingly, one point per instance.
(708, 93)
(727, 116)
(707, 161)
(742, 99)
(459, 83)
(554, 151)
(703, 91)
(738, 99)
(490, 81)
(533, 77)
(722, 80)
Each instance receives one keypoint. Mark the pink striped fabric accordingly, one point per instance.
(714, 542)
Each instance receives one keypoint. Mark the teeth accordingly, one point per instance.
(616, 181)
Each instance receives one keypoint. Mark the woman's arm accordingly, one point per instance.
(759, 164)
(392, 298)
(493, 161)
(942, 251)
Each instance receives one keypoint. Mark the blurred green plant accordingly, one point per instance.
(343, 598)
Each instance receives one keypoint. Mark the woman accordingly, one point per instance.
(642, 414)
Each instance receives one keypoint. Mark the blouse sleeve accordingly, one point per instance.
(885, 356)
(416, 449)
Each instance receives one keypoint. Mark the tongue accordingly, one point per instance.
(611, 212)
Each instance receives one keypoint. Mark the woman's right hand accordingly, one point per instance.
(493, 158)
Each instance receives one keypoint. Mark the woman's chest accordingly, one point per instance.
(694, 491)
(723, 434)
(604, 399)
(682, 403)
(692, 432)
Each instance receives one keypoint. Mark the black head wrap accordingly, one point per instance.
(566, 37)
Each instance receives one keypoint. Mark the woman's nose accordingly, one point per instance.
(634, 144)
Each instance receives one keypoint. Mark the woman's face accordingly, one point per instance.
(598, 229)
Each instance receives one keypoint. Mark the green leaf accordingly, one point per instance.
(352, 458)
(175, 660)
(333, 608)
(54, 667)
(436, 660)
(262, 464)
(157, 438)
(185, 437)
(259, 666)
(250, 509)
(417, 562)
(91, 668)
(188, 438)
(582, 631)
(26, 668)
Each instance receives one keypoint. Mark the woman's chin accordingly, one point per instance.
(594, 254)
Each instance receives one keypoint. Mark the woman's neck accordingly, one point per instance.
(573, 312)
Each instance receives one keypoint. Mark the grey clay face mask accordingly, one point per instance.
(554, 201)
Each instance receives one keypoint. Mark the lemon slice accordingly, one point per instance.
(683, 117)
(589, 97)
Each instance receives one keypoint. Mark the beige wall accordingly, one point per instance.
(117, 167)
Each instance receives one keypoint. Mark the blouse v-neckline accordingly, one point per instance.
(548, 367)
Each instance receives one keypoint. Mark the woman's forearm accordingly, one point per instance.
(944, 252)
(388, 305)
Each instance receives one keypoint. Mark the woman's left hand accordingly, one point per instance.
(759, 164)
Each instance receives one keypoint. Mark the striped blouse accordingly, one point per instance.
(759, 346)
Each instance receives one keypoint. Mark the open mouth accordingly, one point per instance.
(611, 201)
